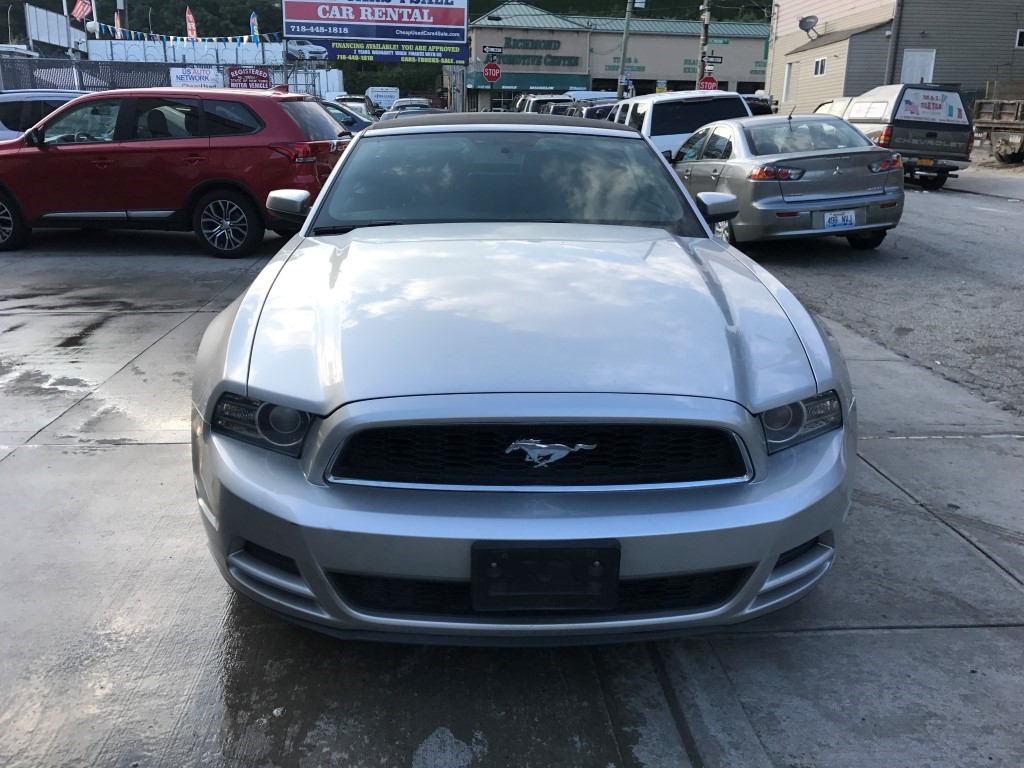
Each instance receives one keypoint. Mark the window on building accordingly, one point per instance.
(786, 82)
(819, 67)
(1020, 38)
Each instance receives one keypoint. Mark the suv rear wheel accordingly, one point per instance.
(13, 232)
(227, 224)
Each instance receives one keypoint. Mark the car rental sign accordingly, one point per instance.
(393, 31)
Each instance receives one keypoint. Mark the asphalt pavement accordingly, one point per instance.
(987, 176)
(120, 645)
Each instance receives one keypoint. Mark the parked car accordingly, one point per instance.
(411, 102)
(556, 107)
(593, 109)
(759, 104)
(410, 111)
(508, 388)
(361, 104)
(303, 49)
(534, 102)
(167, 158)
(669, 118)
(927, 124)
(796, 176)
(21, 109)
(350, 119)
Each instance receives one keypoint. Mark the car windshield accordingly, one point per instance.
(513, 176)
(672, 117)
(803, 135)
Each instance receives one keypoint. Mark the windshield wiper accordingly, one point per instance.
(343, 229)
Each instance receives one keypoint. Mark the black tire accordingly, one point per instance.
(227, 224)
(13, 231)
(866, 241)
(931, 183)
(1009, 157)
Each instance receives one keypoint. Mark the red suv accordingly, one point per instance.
(168, 158)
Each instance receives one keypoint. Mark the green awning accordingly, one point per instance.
(525, 81)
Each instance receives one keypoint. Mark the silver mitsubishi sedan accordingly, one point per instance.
(506, 387)
(796, 177)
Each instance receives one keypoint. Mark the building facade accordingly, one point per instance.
(547, 53)
(851, 46)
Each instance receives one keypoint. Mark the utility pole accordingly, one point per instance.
(705, 21)
(67, 20)
(625, 43)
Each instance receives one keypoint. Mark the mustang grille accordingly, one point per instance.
(482, 454)
(689, 592)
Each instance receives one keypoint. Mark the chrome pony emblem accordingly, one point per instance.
(541, 454)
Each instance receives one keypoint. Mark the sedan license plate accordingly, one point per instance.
(836, 219)
(545, 576)
(925, 161)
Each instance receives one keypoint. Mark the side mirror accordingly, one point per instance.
(289, 204)
(717, 206)
(348, 120)
(33, 137)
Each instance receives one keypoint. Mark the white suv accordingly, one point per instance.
(668, 119)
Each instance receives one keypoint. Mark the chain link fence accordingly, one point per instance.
(17, 74)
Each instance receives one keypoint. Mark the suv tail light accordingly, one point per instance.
(297, 152)
(891, 163)
(775, 173)
(885, 137)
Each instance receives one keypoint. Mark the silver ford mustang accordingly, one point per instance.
(504, 386)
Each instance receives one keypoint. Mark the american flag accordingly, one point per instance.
(82, 9)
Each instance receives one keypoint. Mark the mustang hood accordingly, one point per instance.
(475, 308)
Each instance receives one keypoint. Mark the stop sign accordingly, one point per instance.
(706, 84)
(492, 72)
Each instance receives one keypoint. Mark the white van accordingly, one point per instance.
(669, 118)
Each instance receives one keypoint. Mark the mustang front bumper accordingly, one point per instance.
(292, 542)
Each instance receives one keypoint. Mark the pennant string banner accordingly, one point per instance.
(130, 34)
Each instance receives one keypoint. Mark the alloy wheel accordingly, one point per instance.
(6, 223)
(224, 225)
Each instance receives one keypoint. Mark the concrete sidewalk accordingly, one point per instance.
(910, 653)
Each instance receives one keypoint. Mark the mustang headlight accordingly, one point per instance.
(788, 425)
(276, 427)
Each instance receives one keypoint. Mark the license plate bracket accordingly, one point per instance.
(545, 576)
(840, 219)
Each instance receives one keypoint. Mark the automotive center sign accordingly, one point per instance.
(388, 31)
